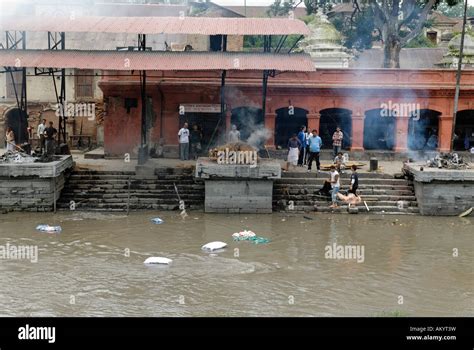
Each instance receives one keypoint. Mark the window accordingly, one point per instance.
(84, 83)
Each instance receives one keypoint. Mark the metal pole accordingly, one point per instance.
(458, 74)
(143, 152)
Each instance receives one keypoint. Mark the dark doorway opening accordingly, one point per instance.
(247, 120)
(331, 118)
(211, 126)
(216, 43)
(19, 123)
(464, 130)
(423, 129)
(379, 129)
(288, 122)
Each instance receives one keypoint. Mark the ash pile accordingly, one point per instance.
(448, 161)
(23, 158)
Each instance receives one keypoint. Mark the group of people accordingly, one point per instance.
(192, 140)
(305, 147)
(332, 187)
(46, 136)
(189, 140)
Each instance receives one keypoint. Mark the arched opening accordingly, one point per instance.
(331, 118)
(379, 129)
(247, 120)
(19, 123)
(423, 128)
(288, 121)
(464, 130)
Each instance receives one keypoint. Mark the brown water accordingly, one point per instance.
(87, 264)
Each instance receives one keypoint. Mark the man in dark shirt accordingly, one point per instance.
(354, 180)
(49, 134)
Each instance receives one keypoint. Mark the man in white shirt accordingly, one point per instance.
(183, 135)
(40, 134)
(234, 135)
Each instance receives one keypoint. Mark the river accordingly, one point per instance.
(413, 266)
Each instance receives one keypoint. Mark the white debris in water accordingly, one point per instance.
(211, 246)
(157, 260)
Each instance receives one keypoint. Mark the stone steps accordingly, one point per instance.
(108, 191)
(381, 192)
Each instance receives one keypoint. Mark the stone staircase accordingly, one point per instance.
(381, 192)
(108, 190)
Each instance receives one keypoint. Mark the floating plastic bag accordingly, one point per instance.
(214, 246)
(157, 221)
(157, 260)
(243, 234)
(48, 228)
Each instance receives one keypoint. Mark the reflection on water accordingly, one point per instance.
(95, 266)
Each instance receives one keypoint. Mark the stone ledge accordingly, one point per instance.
(42, 170)
(434, 174)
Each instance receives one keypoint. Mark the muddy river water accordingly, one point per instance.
(414, 266)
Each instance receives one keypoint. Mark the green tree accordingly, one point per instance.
(398, 22)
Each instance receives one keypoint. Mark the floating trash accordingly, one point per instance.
(249, 236)
(466, 213)
(157, 260)
(48, 228)
(243, 234)
(157, 221)
(214, 246)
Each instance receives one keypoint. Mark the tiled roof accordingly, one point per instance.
(157, 25)
(155, 60)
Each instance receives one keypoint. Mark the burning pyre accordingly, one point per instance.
(233, 146)
(448, 161)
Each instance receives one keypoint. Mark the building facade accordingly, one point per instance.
(396, 110)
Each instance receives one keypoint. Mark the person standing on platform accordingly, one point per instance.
(233, 135)
(315, 144)
(294, 150)
(195, 141)
(10, 137)
(302, 139)
(183, 135)
(49, 134)
(337, 141)
(40, 134)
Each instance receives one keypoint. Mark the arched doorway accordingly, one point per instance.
(423, 128)
(19, 124)
(464, 130)
(331, 118)
(379, 129)
(288, 121)
(247, 120)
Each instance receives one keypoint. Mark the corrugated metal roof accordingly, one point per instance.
(155, 60)
(157, 25)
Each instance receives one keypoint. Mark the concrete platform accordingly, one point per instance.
(42, 170)
(442, 191)
(232, 188)
(32, 186)
(97, 153)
